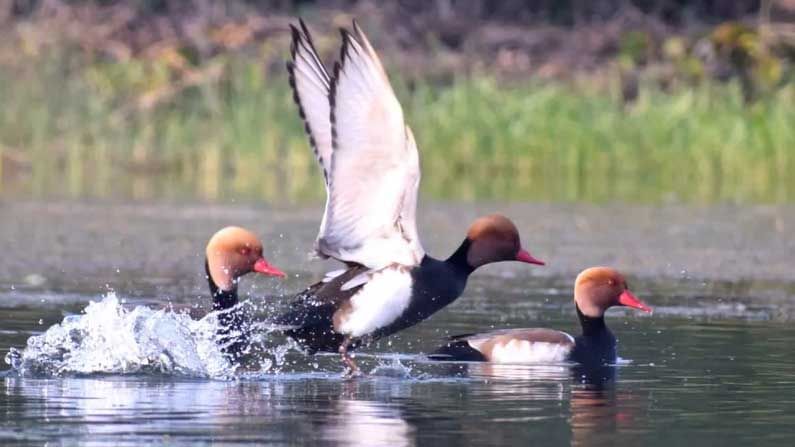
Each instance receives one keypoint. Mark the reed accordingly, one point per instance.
(120, 130)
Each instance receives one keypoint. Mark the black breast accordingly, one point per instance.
(595, 348)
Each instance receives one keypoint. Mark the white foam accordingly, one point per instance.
(108, 338)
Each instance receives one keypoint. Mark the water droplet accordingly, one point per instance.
(41, 321)
(35, 280)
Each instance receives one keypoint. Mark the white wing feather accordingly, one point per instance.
(311, 84)
(408, 212)
(374, 172)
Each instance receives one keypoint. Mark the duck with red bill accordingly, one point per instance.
(232, 253)
(525, 256)
(629, 300)
(596, 290)
(262, 266)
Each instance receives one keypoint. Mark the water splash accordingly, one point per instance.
(108, 338)
(394, 368)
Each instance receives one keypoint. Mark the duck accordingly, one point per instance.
(596, 289)
(231, 253)
(370, 164)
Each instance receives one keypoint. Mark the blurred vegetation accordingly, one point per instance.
(107, 100)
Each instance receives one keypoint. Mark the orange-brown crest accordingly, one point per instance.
(493, 225)
(494, 238)
(598, 288)
(231, 253)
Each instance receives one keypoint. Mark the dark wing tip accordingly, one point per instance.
(332, 98)
(347, 44)
(305, 29)
(357, 29)
(343, 49)
(332, 92)
(359, 34)
(296, 40)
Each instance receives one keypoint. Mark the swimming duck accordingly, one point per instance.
(370, 164)
(595, 290)
(231, 253)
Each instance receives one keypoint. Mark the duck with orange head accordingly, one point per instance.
(595, 291)
(232, 253)
(358, 305)
(370, 163)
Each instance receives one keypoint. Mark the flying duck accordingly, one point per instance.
(370, 164)
(595, 290)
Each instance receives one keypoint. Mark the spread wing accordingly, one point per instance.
(374, 172)
(408, 210)
(311, 84)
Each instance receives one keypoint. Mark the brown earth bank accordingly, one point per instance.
(669, 39)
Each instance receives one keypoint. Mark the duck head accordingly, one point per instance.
(233, 252)
(600, 288)
(494, 238)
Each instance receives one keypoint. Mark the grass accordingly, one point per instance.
(69, 128)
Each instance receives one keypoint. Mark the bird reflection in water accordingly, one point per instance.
(598, 408)
(367, 423)
(334, 412)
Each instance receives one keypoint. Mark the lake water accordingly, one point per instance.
(712, 366)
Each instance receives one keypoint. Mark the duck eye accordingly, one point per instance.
(245, 251)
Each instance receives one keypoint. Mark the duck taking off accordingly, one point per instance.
(371, 169)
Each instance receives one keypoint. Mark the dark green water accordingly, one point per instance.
(712, 366)
(696, 376)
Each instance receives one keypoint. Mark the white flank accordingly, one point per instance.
(380, 302)
(523, 351)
